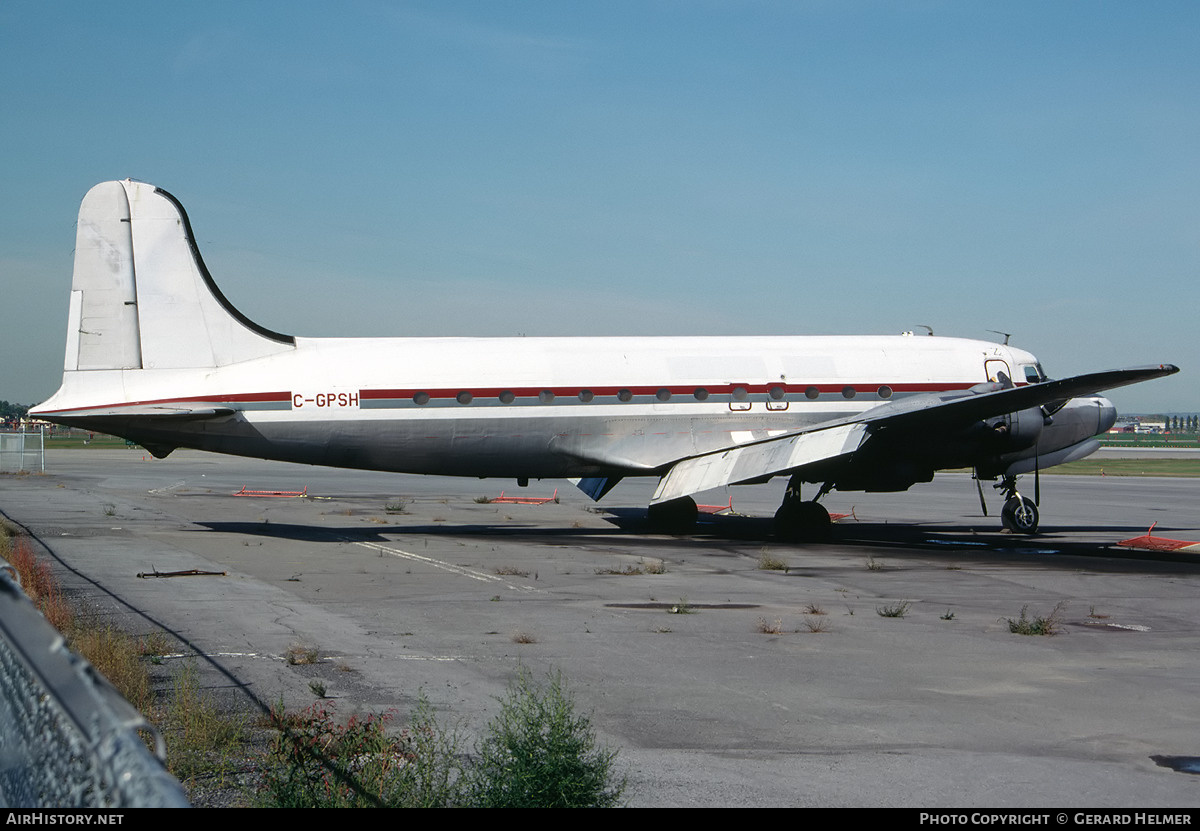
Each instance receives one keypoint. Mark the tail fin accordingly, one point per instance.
(141, 297)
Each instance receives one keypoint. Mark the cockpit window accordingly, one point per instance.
(1034, 374)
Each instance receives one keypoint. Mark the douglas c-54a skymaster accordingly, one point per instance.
(157, 354)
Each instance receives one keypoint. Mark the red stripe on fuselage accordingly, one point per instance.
(713, 389)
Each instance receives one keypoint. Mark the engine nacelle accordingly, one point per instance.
(1068, 436)
(1018, 431)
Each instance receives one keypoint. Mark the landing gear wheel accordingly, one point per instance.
(1020, 515)
(675, 517)
(798, 521)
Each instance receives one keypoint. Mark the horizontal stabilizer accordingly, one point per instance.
(179, 413)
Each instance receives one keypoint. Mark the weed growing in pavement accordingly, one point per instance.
(1026, 625)
(898, 609)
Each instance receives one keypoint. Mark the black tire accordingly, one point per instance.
(675, 517)
(797, 521)
(1020, 515)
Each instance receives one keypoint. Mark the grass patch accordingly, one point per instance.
(816, 624)
(898, 609)
(299, 654)
(523, 637)
(769, 562)
(1181, 438)
(1185, 468)
(874, 565)
(155, 646)
(681, 608)
(1033, 625)
(201, 739)
(511, 571)
(766, 627)
(118, 657)
(80, 439)
(38, 581)
(628, 571)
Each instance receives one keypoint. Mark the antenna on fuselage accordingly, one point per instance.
(926, 326)
(1007, 335)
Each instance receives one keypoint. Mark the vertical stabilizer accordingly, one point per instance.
(141, 296)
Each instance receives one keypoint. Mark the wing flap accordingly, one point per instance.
(754, 461)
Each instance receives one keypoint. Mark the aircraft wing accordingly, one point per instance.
(830, 440)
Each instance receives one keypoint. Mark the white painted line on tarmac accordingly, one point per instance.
(482, 576)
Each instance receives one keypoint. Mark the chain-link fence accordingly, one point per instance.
(67, 738)
(22, 451)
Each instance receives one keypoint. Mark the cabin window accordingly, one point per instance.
(586, 395)
(885, 391)
(740, 394)
(849, 392)
(812, 393)
(507, 397)
(463, 397)
(663, 395)
(701, 394)
(421, 398)
(546, 396)
(624, 395)
(776, 392)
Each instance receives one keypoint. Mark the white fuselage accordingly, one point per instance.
(529, 407)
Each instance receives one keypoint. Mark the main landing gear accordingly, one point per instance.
(675, 517)
(1020, 513)
(798, 520)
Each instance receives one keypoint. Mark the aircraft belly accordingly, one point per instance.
(545, 447)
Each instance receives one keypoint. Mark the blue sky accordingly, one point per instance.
(416, 168)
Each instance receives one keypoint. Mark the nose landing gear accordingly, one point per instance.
(1020, 513)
